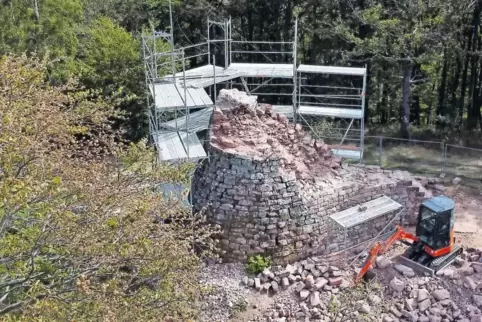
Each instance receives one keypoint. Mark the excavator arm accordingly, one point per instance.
(381, 247)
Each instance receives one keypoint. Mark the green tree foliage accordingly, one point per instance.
(133, 15)
(50, 29)
(408, 36)
(81, 235)
(109, 59)
(94, 48)
(423, 57)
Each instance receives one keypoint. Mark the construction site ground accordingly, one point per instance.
(232, 300)
(468, 201)
(468, 208)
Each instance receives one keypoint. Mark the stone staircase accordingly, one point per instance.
(421, 190)
(417, 194)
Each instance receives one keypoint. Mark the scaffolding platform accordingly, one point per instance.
(176, 146)
(347, 154)
(333, 70)
(193, 146)
(203, 76)
(286, 110)
(350, 113)
(367, 211)
(198, 121)
(262, 70)
(170, 96)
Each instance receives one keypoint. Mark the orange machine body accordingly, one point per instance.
(441, 251)
(381, 247)
(434, 234)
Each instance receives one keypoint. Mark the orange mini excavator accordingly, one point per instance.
(431, 249)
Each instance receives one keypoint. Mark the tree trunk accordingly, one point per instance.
(415, 108)
(471, 112)
(474, 115)
(429, 110)
(277, 14)
(36, 9)
(461, 102)
(250, 22)
(405, 107)
(380, 86)
(385, 106)
(455, 85)
(288, 21)
(415, 101)
(288, 26)
(466, 67)
(443, 82)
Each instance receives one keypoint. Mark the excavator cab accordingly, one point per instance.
(435, 225)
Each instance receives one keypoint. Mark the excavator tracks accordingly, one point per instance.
(443, 261)
(423, 266)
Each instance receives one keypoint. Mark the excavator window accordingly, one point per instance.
(433, 228)
(426, 225)
(442, 236)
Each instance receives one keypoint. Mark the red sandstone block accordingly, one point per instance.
(335, 281)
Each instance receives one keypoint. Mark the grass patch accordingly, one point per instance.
(426, 159)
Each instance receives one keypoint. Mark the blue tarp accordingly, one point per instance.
(174, 192)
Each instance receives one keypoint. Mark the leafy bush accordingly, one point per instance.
(257, 264)
(79, 235)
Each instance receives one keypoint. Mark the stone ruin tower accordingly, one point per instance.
(272, 187)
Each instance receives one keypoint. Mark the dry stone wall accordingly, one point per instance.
(269, 202)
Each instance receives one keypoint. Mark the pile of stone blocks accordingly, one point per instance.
(275, 198)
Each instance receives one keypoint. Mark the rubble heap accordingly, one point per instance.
(252, 130)
(273, 188)
(311, 290)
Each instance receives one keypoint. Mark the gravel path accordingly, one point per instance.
(226, 294)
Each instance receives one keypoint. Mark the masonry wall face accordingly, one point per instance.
(264, 210)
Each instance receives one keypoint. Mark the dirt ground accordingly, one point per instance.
(468, 213)
(256, 303)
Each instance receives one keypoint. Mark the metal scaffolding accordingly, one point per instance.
(181, 100)
(343, 103)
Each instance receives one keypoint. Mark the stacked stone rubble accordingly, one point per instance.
(273, 190)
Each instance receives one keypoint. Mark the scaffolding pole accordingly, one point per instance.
(209, 42)
(153, 79)
(186, 108)
(298, 88)
(226, 64)
(295, 69)
(230, 35)
(171, 43)
(362, 121)
(214, 75)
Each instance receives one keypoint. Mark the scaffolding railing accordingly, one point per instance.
(259, 48)
(261, 79)
(338, 102)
